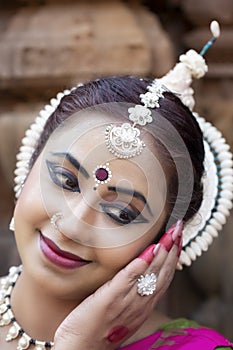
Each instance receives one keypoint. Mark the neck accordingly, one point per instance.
(38, 312)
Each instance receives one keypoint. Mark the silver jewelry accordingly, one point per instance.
(54, 220)
(146, 285)
(102, 175)
(7, 317)
(124, 140)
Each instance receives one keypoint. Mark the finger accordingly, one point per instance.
(129, 274)
(168, 269)
(171, 237)
(154, 256)
(161, 271)
(151, 260)
(124, 284)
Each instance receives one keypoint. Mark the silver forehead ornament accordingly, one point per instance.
(124, 140)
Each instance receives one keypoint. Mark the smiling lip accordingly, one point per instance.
(60, 257)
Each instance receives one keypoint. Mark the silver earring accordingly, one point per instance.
(11, 225)
(54, 220)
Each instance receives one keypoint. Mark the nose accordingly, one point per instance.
(78, 221)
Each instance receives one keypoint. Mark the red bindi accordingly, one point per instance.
(102, 174)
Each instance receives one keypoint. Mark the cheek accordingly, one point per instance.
(118, 257)
(113, 260)
(29, 207)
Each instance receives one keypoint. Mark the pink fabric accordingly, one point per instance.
(181, 339)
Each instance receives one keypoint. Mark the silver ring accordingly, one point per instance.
(146, 285)
(54, 219)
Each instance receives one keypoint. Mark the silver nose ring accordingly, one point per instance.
(54, 220)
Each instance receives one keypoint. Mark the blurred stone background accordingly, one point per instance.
(48, 45)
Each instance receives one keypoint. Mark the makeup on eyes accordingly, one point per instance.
(63, 177)
(131, 192)
(123, 213)
(123, 206)
(73, 161)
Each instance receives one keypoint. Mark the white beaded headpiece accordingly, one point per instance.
(124, 142)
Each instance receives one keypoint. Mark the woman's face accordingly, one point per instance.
(98, 230)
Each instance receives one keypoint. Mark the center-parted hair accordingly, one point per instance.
(128, 90)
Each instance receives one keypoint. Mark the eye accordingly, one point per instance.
(62, 178)
(123, 215)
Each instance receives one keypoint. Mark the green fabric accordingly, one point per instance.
(179, 323)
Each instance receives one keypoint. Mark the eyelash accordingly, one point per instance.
(55, 171)
(57, 174)
(133, 216)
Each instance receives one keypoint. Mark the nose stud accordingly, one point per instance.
(54, 220)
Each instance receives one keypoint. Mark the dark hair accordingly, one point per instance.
(128, 89)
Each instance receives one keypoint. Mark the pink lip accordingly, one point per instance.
(60, 257)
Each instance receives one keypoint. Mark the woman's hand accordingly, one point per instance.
(116, 311)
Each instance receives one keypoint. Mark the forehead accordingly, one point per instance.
(84, 138)
(83, 135)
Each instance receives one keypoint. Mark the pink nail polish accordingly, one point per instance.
(166, 240)
(177, 230)
(117, 333)
(156, 249)
(147, 255)
(171, 229)
(172, 236)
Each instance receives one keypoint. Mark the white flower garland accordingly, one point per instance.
(199, 232)
(30, 140)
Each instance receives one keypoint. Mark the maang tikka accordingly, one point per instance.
(124, 140)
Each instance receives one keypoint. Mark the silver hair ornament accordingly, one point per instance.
(124, 140)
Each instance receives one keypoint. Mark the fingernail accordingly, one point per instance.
(166, 239)
(117, 333)
(156, 248)
(171, 229)
(147, 255)
(172, 235)
(177, 234)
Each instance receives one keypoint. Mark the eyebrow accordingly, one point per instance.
(133, 193)
(73, 161)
